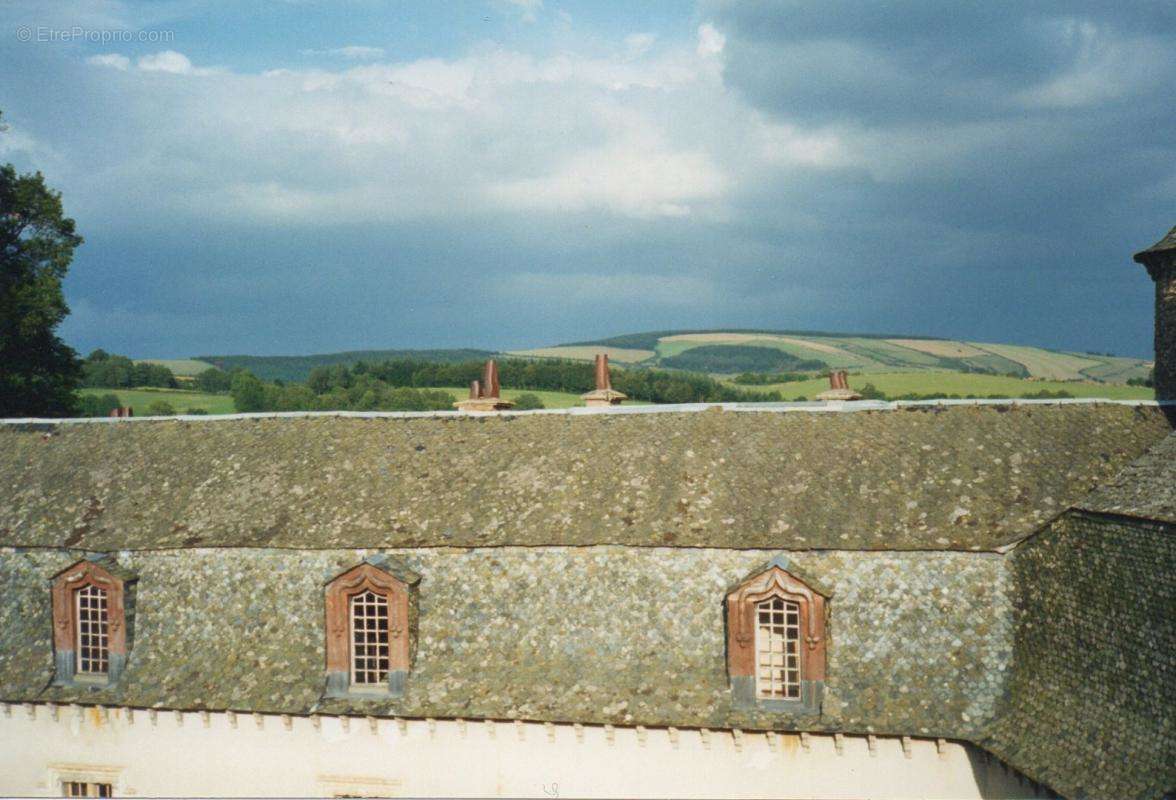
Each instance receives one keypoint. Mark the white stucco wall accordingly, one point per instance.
(166, 753)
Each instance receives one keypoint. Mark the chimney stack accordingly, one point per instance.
(839, 387)
(484, 394)
(1160, 260)
(603, 394)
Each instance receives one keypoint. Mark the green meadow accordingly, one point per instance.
(961, 383)
(141, 399)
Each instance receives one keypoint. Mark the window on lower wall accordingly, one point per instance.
(369, 612)
(776, 641)
(86, 789)
(91, 621)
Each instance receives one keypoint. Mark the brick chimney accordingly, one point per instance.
(839, 387)
(1160, 260)
(603, 394)
(484, 394)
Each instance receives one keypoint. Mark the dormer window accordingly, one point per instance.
(369, 612)
(776, 641)
(90, 622)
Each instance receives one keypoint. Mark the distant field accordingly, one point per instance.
(140, 399)
(180, 367)
(1045, 363)
(881, 354)
(621, 355)
(960, 383)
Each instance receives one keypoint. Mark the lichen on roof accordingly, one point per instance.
(1145, 488)
(928, 477)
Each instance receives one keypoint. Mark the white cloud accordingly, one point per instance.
(495, 134)
(110, 60)
(710, 41)
(166, 61)
(638, 180)
(356, 52)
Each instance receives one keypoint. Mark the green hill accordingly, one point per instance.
(733, 351)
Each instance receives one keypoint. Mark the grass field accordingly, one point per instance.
(180, 367)
(888, 355)
(180, 400)
(620, 355)
(927, 382)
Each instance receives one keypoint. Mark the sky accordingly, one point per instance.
(300, 176)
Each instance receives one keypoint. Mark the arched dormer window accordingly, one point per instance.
(369, 629)
(776, 641)
(90, 622)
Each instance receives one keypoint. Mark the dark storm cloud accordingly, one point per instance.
(979, 171)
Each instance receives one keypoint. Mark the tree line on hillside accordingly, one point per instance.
(102, 370)
(411, 385)
(727, 358)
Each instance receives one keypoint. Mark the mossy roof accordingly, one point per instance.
(1166, 244)
(923, 477)
(1145, 488)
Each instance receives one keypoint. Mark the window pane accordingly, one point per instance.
(369, 637)
(777, 644)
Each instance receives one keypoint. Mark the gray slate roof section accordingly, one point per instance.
(1145, 488)
(620, 635)
(1166, 244)
(964, 477)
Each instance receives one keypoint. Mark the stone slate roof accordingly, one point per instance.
(1090, 705)
(1165, 244)
(1145, 488)
(620, 635)
(921, 477)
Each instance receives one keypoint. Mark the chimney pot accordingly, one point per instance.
(603, 394)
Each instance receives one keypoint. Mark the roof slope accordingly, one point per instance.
(619, 635)
(926, 477)
(1145, 488)
(1092, 691)
(1165, 244)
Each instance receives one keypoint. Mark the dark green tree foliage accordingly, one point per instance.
(161, 408)
(106, 371)
(38, 372)
(739, 358)
(248, 392)
(556, 375)
(528, 402)
(766, 378)
(214, 381)
(98, 405)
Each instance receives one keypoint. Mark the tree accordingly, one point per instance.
(213, 380)
(528, 401)
(248, 392)
(161, 408)
(38, 372)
